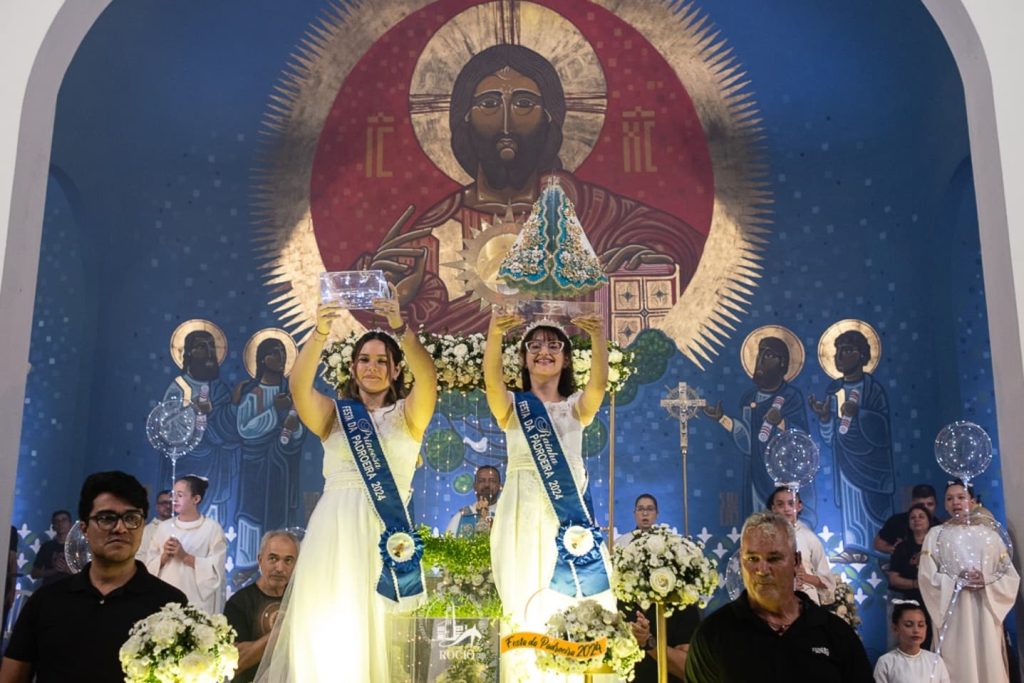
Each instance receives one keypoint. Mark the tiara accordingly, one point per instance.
(197, 476)
(544, 322)
(381, 330)
(897, 601)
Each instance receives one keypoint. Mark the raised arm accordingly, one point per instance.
(419, 405)
(593, 393)
(315, 410)
(494, 379)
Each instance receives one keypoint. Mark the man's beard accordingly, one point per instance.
(516, 172)
(768, 380)
(204, 372)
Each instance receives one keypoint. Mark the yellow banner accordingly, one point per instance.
(557, 646)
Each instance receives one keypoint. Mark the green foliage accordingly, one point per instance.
(455, 555)
(652, 351)
(444, 449)
(595, 438)
(466, 586)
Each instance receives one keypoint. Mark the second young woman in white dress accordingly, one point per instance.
(333, 626)
(188, 550)
(523, 537)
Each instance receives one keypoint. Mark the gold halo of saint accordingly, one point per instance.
(827, 345)
(470, 32)
(251, 346)
(197, 325)
(749, 349)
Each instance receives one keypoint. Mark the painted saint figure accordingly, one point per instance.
(272, 438)
(506, 116)
(334, 622)
(770, 407)
(853, 419)
(203, 348)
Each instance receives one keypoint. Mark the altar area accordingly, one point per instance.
(733, 193)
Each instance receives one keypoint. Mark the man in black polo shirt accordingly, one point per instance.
(71, 630)
(253, 610)
(771, 632)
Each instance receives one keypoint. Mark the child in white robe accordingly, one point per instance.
(908, 663)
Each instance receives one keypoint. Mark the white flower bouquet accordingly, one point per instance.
(845, 604)
(584, 622)
(179, 644)
(663, 567)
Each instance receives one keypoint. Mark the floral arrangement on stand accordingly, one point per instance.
(662, 567)
(179, 644)
(845, 604)
(464, 585)
(459, 361)
(587, 621)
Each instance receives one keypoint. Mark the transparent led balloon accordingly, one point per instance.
(973, 550)
(173, 428)
(963, 450)
(792, 459)
(76, 549)
(733, 577)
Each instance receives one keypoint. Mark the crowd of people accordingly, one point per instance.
(360, 559)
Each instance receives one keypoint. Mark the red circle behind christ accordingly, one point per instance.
(646, 187)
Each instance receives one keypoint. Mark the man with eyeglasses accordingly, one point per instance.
(164, 508)
(645, 514)
(71, 631)
(477, 517)
(680, 626)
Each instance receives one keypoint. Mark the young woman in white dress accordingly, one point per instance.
(189, 549)
(333, 623)
(523, 535)
(973, 647)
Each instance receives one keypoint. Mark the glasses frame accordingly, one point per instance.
(119, 517)
(551, 345)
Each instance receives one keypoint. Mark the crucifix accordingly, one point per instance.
(682, 403)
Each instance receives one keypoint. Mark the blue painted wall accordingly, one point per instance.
(148, 224)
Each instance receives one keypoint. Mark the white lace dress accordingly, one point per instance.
(523, 552)
(333, 624)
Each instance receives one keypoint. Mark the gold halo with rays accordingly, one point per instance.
(748, 352)
(249, 352)
(196, 325)
(719, 292)
(542, 30)
(827, 345)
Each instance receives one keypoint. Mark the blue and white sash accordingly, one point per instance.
(400, 546)
(580, 568)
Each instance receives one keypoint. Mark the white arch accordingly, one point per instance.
(39, 38)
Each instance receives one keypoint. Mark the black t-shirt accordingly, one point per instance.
(251, 612)
(903, 561)
(70, 633)
(51, 556)
(734, 645)
(681, 626)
